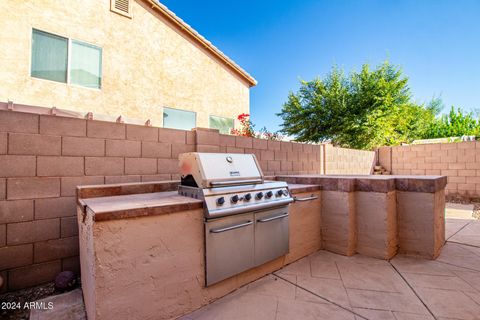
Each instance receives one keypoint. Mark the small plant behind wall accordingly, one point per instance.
(247, 129)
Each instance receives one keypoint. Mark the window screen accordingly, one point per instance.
(224, 125)
(49, 56)
(179, 119)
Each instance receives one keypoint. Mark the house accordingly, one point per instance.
(133, 58)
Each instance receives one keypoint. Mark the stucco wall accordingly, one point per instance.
(147, 64)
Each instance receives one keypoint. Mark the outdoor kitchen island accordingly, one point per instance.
(142, 245)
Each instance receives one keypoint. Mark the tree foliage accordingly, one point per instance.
(454, 124)
(363, 110)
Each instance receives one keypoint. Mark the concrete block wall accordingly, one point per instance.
(460, 162)
(43, 158)
(347, 161)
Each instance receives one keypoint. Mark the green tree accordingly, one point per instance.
(364, 110)
(454, 124)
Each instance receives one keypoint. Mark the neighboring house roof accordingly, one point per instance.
(194, 35)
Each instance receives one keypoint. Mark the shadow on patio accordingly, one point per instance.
(330, 286)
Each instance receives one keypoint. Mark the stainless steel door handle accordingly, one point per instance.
(312, 197)
(273, 218)
(249, 222)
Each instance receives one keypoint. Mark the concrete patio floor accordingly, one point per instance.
(330, 286)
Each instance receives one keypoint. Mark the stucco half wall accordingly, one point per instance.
(147, 63)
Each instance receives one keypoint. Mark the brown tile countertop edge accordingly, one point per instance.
(129, 200)
(138, 205)
(370, 183)
(301, 188)
(107, 190)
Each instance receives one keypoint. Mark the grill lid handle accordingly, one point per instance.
(234, 182)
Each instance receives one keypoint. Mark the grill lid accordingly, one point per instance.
(219, 169)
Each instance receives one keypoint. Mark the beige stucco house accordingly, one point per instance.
(132, 58)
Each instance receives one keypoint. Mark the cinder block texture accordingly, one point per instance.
(3, 142)
(16, 211)
(103, 129)
(348, 161)
(16, 256)
(457, 161)
(32, 188)
(51, 166)
(17, 166)
(63, 126)
(32, 275)
(123, 148)
(32, 231)
(78, 146)
(34, 144)
(18, 122)
(142, 133)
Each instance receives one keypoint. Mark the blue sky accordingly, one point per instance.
(436, 42)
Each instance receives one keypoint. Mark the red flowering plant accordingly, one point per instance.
(247, 129)
(247, 126)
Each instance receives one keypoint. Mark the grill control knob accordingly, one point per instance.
(282, 193)
(248, 196)
(234, 199)
(269, 194)
(259, 195)
(220, 201)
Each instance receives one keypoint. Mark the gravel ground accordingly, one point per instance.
(476, 210)
(475, 202)
(23, 296)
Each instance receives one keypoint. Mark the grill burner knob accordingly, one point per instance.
(248, 196)
(234, 199)
(269, 194)
(282, 193)
(220, 201)
(259, 195)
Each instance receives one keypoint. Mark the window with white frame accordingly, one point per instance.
(179, 119)
(65, 60)
(224, 125)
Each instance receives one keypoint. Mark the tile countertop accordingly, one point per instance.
(139, 205)
(121, 201)
(154, 203)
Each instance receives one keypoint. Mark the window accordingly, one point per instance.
(49, 56)
(65, 60)
(179, 119)
(224, 125)
(85, 65)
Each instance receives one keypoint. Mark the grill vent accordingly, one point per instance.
(122, 7)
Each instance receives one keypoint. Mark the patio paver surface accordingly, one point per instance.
(325, 285)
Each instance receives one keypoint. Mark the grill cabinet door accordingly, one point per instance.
(271, 234)
(229, 245)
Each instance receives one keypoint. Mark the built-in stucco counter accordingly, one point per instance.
(381, 216)
(142, 249)
(142, 244)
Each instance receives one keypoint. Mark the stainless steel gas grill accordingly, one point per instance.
(246, 217)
